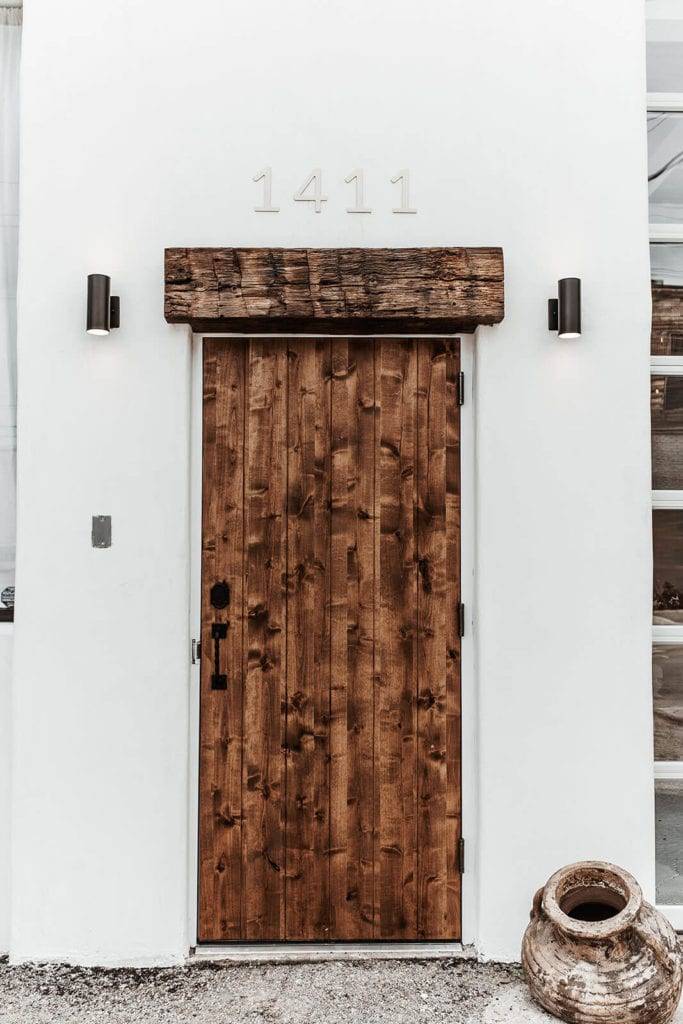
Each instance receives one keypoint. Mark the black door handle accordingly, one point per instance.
(219, 680)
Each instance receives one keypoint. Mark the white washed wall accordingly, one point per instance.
(10, 51)
(10, 48)
(523, 125)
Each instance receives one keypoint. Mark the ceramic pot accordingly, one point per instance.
(595, 951)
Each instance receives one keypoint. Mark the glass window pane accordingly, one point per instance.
(666, 263)
(665, 66)
(667, 690)
(666, 271)
(665, 167)
(666, 404)
(667, 538)
(669, 840)
(664, 30)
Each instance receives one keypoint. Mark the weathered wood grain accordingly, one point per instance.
(352, 618)
(340, 419)
(334, 290)
(395, 717)
(263, 774)
(377, 652)
(453, 825)
(220, 757)
(431, 639)
(330, 769)
(308, 665)
(361, 643)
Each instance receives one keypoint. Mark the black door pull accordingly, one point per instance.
(219, 680)
(220, 595)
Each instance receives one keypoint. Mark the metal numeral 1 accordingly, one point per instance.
(359, 179)
(405, 207)
(266, 176)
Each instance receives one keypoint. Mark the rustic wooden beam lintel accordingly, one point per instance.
(335, 291)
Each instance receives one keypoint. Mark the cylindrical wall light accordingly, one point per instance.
(104, 309)
(564, 312)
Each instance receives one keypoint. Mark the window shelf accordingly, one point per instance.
(666, 234)
(667, 499)
(667, 634)
(665, 102)
(666, 366)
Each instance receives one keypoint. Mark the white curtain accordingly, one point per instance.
(10, 45)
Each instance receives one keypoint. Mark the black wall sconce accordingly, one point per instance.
(104, 310)
(564, 312)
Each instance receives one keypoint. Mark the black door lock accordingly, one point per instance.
(219, 680)
(220, 595)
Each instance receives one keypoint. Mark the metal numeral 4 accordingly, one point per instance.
(314, 181)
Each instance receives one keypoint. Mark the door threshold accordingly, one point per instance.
(316, 952)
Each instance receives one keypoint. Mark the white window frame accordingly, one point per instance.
(667, 366)
(469, 689)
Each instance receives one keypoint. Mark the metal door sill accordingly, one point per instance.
(307, 952)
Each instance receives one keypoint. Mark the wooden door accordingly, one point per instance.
(330, 796)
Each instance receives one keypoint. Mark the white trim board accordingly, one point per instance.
(666, 366)
(469, 690)
(307, 952)
(668, 770)
(665, 234)
(672, 634)
(667, 499)
(665, 102)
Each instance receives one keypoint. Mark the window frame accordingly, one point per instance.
(667, 366)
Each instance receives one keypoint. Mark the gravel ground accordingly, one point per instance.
(457, 991)
(460, 992)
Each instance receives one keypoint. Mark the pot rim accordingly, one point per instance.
(592, 930)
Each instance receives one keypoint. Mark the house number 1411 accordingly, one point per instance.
(311, 191)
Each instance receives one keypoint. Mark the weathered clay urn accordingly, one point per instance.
(594, 950)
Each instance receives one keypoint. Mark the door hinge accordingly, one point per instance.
(461, 619)
(461, 388)
(196, 651)
(461, 855)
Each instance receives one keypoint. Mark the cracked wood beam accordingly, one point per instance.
(334, 290)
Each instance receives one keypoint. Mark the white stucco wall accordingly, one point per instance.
(523, 126)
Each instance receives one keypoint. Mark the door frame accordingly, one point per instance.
(469, 691)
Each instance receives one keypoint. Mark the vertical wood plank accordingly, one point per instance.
(340, 533)
(361, 634)
(220, 752)
(395, 720)
(308, 667)
(453, 644)
(352, 608)
(264, 697)
(431, 640)
(377, 651)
